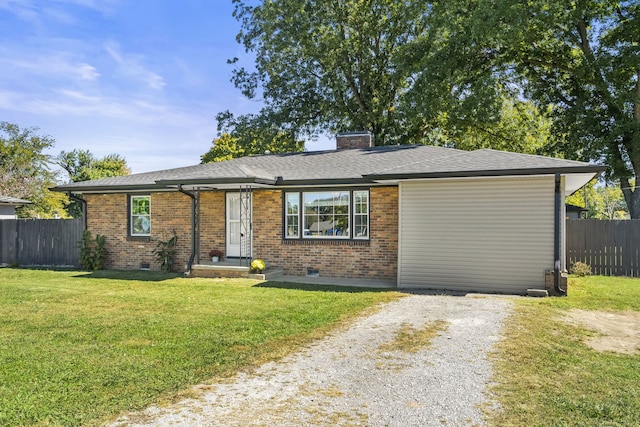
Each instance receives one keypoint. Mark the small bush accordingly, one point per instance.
(581, 269)
(92, 252)
(257, 265)
(165, 253)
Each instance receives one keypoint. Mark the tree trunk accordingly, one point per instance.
(632, 197)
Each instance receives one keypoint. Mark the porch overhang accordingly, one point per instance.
(219, 184)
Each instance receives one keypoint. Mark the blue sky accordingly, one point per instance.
(140, 78)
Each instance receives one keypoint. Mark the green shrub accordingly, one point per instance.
(581, 269)
(165, 253)
(92, 251)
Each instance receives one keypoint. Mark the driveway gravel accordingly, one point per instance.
(345, 379)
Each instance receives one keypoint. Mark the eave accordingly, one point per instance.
(594, 169)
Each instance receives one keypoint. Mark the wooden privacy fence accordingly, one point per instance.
(611, 248)
(40, 242)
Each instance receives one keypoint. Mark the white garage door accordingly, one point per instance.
(484, 234)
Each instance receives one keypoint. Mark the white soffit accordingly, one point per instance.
(575, 181)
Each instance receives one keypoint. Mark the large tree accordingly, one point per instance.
(582, 58)
(329, 64)
(25, 173)
(83, 165)
(409, 72)
(517, 126)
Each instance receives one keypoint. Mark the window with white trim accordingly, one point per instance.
(322, 214)
(140, 215)
(292, 216)
(360, 214)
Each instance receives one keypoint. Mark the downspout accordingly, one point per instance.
(83, 202)
(556, 238)
(193, 229)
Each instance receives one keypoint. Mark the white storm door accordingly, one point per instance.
(238, 225)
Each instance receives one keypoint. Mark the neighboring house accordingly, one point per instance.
(8, 206)
(575, 212)
(393, 213)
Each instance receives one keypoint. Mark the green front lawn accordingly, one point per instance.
(79, 348)
(546, 376)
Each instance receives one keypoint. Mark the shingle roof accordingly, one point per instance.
(341, 167)
(6, 200)
(484, 162)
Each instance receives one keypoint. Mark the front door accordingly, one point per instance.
(238, 225)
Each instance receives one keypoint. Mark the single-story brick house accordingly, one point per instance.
(417, 216)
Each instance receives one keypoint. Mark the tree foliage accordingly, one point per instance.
(409, 72)
(328, 64)
(452, 86)
(82, 165)
(601, 201)
(249, 135)
(519, 127)
(25, 173)
(583, 59)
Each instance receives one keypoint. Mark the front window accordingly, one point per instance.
(140, 215)
(361, 214)
(340, 214)
(292, 218)
(326, 214)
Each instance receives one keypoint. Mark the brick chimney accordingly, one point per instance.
(351, 140)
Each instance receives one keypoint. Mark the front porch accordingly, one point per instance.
(231, 268)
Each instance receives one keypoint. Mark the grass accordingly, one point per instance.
(546, 376)
(601, 293)
(79, 348)
(411, 340)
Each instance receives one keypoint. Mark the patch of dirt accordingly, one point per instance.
(620, 331)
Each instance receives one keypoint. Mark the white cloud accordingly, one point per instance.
(87, 72)
(75, 103)
(54, 64)
(103, 6)
(132, 66)
(33, 11)
(25, 10)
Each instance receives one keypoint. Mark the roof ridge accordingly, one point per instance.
(456, 152)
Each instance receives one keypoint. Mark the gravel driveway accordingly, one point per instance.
(345, 379)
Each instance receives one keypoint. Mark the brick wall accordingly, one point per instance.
(373, 259)
(108, 215)
(212, 223)
(352, 140)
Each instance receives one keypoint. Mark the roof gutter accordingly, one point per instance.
(488, 172)
(193, 229)
(83, 202)
(106, 189)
